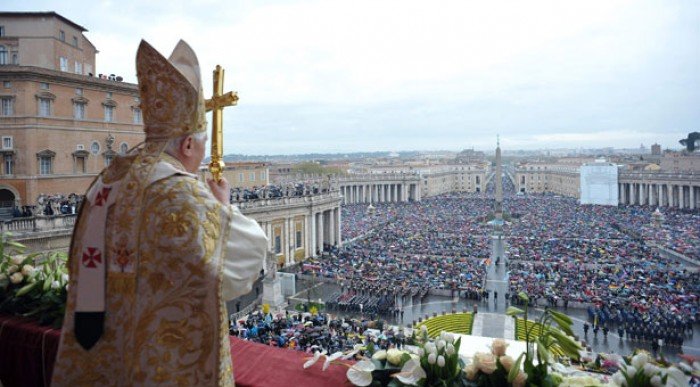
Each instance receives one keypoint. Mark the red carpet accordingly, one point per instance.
(28, 352)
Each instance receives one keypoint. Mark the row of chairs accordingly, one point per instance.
(455, 323)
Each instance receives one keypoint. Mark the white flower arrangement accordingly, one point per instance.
(33, 285)
(641, 371)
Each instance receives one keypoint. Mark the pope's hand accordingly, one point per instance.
(221, 190)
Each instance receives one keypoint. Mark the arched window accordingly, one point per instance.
(123, 148)
(95, 147)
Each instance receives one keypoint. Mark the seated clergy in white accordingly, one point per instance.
(155, 252)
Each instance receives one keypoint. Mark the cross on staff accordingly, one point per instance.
(216, 104)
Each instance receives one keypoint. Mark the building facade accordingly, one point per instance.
(59, 124)
(676, 183)
(379, 188)
(243, 174)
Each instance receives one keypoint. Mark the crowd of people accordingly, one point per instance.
(308, 332)
(558, 251)
(50, 205)
(273, 191)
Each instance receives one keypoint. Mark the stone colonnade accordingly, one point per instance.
(298, 228)
(660, 194)
(379, 192)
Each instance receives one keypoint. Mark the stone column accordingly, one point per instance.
(288, 248)
(622, 193)
(659, 194)
(308, 236)
(271, 238)
(681, 196)
(640, 194)
(339, 237)
(319, 231)
(692, 197)
(314, 234)
(669, 195)
(331, 228)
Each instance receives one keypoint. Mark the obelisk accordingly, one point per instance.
(499, 183)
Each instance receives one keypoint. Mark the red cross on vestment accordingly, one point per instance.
(90, 256)
(102, 196)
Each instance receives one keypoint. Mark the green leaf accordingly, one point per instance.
(513, 311)
(523, 296)
(563, 324)
(26, 289)
(542, 351)
(561, 315)
(515, 369)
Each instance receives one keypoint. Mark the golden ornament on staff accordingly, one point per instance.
(216, 104)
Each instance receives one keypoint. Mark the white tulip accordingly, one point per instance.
(650, 369)
(379, 355)
(441, 361)
(441, 344)
(639, 360)
(3, 276)
(16, 278)
(18, 259)
(631, 370)
(430, 348)
(676, 377)
(420, 352)
(619, 379)
(449, 337)
(64, 277)
(393, 356)
(442, 335)
(55, 285)
(432, 358)
(423, 328)
(450, 349)
(27, 270)
(656, 381)
(12, 269)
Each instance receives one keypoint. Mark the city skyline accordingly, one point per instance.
(330, 77)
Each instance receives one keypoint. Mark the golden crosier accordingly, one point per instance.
(216, 104)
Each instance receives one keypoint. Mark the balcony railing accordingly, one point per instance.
(38, 223)
(288, 201)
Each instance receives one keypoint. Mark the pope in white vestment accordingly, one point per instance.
(154, 254)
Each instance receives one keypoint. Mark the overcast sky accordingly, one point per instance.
(365, 75)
